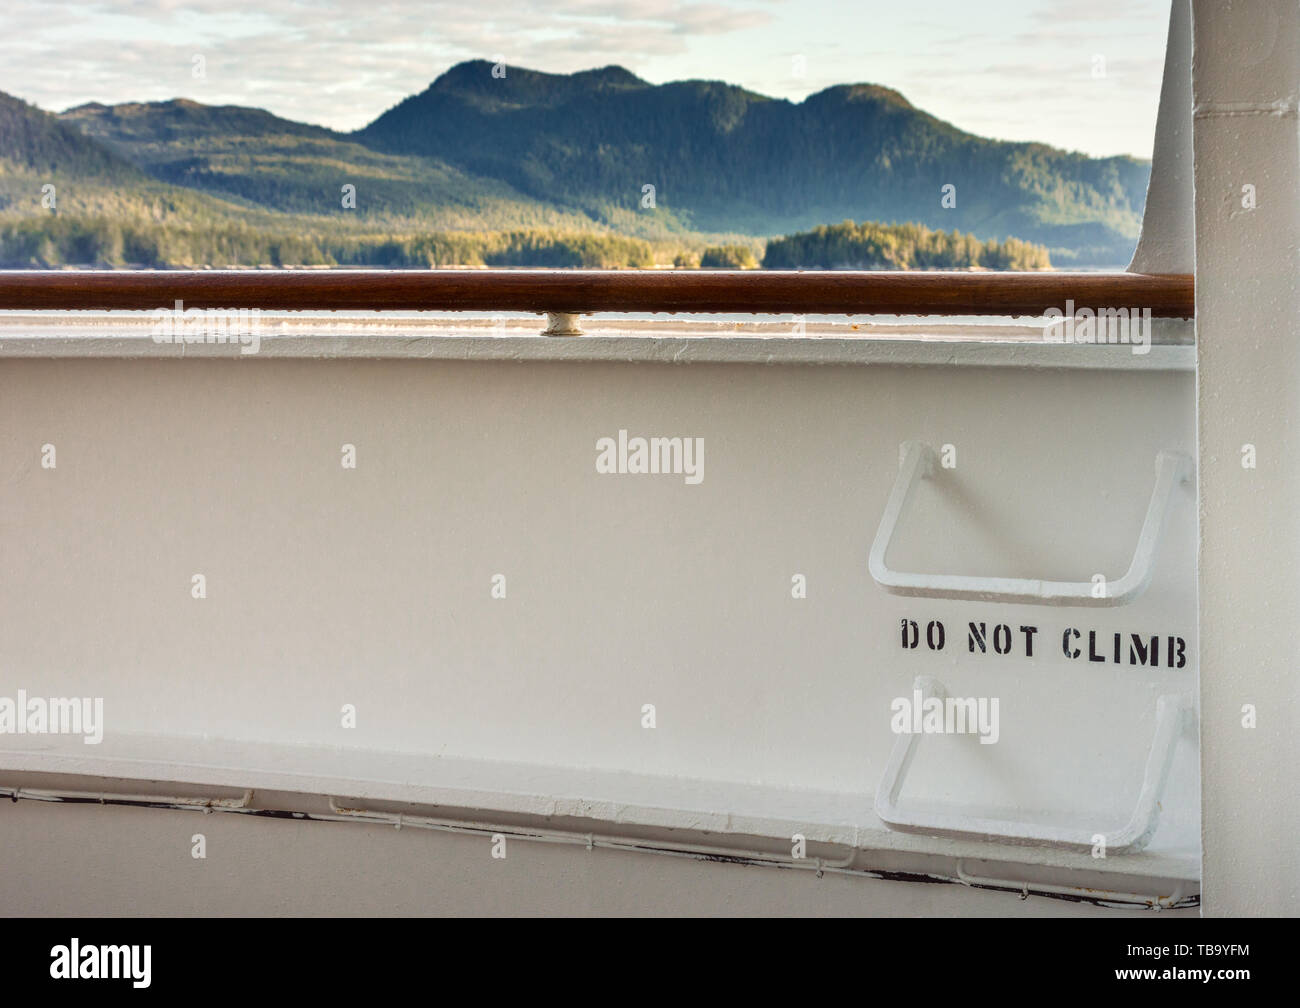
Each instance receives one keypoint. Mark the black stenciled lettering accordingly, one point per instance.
(1001, 638)
(935, 635)
(1140, 653)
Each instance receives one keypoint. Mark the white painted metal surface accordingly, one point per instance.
(918, 461)
(1246, 79)
(1171, 721)
(1168, 240)
(524, 715)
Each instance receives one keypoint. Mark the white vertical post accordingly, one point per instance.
(1245, 81)
(1168, 240)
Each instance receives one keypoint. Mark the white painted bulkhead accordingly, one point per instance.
(476, 457)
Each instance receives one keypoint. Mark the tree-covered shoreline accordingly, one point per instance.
(53, 241)
(869, 245)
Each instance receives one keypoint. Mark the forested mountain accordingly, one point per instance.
(67, 198)
(597, 167)
(290, 167)
(725, 159)
(182, 184)
(31, 140)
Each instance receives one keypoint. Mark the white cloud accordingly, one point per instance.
(1011, 68)
(338, 62)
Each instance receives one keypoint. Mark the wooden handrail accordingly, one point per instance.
(762, 291)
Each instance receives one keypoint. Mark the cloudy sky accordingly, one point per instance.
(1080, 75)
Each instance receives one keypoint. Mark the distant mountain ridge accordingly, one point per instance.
(724, 158)
(36, 141)
(478, 151)
(281, 165)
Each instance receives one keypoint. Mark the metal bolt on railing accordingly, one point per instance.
(562, 324)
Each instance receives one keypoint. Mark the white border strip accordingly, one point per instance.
(626, 349)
